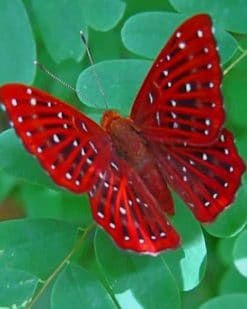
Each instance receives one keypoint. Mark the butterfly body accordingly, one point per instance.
(132, 146)
(174, 136)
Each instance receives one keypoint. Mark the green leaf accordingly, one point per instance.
(230, 14)
(7, 183)
(76, 287)
(187, 263)
(230, 301)
(15, 160)
(60, 32)
(240, 253)
(235, 92)
(40, 202)
(121, 79)
(225, 250)
(156, 29)
(136, 281)
(233, 219)
(16, 287)
(233, 282)
(37, 246)
(17, 48)
(103, 15)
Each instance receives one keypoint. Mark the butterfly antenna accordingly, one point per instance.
(98, 81)
(53, 76)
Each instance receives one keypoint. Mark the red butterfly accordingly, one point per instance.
(173, 136)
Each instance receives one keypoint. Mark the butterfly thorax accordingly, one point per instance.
(127, 138)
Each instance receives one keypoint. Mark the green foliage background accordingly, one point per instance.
(52, 257)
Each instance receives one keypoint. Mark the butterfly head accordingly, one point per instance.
(108, 117)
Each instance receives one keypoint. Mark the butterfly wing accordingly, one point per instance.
(206, 178)
(123, 206)
(70, 146)
(180, 100)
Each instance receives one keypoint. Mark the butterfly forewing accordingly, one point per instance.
(123, 206)
(180, 100)
(70, 146)
(206, 178)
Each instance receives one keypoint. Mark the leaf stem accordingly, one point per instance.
(234, 63)
(65, 261)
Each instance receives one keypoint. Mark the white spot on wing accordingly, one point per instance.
(112, 225)
(188, 87)
(75, 143)
(168, 58)
(100, 214)
(226, 184)
(122, 210)
(106, 184)
(20, 119)
(173, 115)
(151, 98)
(33, 101)
(60, 115)
(173, 103)
(215, 195)
(84, 127)
(199, 33)
(89, 161)
(158, 118)
(14, 102)
(182, 45)
(56, 139)
(93, 146)
(68, 176)
(222, 138)
(165, 72)
(83, 151)
(114, 165)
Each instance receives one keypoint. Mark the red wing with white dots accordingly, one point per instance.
(123, 206)
(180, 100)
(206, 178)
(70, 146)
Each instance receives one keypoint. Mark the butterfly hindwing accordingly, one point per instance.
(70, 146)
(206, 178)
(123, 206)
(180, 100)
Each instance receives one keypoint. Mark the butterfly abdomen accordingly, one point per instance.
(131, 145)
